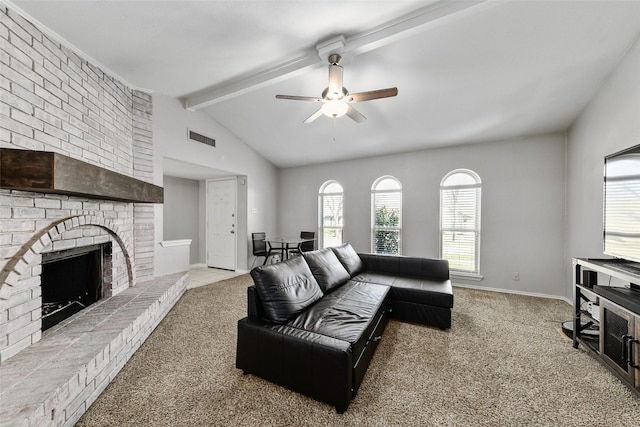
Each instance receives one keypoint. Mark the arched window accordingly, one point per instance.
(460, 192)
(330, 214)
(386, 216)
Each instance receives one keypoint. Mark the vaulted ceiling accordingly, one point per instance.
(466, 71)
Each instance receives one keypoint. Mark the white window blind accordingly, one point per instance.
(460, 221)
(330, 215)
(386, 230)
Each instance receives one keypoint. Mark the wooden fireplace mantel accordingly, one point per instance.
(49, 172)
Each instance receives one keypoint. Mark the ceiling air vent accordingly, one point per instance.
(195, 136)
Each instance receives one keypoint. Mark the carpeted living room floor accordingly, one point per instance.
(504, 362)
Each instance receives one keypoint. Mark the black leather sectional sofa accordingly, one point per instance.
(314, 321)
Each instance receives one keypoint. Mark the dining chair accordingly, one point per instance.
(306, 246)
(260, 247)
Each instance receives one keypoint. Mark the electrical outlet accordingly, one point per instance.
(515, 276)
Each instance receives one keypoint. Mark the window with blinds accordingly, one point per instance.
(386, 216)
(460, 220)
(330, 214)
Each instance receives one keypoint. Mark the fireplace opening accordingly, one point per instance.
(72, 280)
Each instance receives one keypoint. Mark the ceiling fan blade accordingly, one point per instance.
(299, 98)
(373, 94)
(313, 116)
(355, 115)
(335, 81)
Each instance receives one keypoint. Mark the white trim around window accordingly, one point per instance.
(460, 202)
(330, 214)
(386, 216)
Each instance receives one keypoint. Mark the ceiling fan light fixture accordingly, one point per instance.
(336, 99)
(334, 108)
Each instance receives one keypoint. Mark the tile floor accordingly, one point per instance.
(201, 275)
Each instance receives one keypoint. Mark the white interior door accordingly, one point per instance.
(221, 223)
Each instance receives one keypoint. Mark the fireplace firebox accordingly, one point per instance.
(72, 280)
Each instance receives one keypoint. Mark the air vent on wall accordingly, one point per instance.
(194, 136)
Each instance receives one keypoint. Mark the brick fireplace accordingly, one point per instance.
(53, 100)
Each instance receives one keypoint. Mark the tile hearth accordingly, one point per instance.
(54, 380)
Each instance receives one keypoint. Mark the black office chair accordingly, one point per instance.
(306, 246)
(260, 247)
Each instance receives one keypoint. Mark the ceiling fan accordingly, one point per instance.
(336, 99)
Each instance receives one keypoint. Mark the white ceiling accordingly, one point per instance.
(466, 72)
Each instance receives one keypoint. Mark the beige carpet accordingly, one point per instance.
(504, 362)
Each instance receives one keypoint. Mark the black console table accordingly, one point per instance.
(607, 315)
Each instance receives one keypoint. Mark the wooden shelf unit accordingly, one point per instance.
(610, 288)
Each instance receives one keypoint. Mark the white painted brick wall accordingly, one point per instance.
(53, 100)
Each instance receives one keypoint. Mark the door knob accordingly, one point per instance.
(232, 232)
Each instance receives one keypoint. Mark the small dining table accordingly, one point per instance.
(284, 244)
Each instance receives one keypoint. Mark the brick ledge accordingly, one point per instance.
(55, 380)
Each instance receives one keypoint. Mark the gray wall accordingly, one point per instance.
(610, 123)
(181, 212)
(523, 205)
(257, 197)
(184, 213)
(542, 196)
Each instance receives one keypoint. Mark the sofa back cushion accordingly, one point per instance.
(349, 259)
(286, 289)
(399, 265)
(326, 268)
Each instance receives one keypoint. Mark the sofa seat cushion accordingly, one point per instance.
(326, 268)
(286, 289)
(412, 289)
(350, 314)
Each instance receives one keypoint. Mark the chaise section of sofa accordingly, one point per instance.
(421, 291)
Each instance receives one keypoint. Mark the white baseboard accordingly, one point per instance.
(510, 291)
(241, 271)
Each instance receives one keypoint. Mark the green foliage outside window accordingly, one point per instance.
(386, 217)
(387, 241)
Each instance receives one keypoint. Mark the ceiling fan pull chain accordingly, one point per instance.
(334, 128)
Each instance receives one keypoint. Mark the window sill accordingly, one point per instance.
(466, 276)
